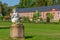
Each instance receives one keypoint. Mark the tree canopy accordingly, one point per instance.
(36, 3)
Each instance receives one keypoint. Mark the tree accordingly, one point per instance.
(0, 7)
(50, 2)
(49, 17)
(35, 3)
(44, 2)
(36, 14)
(39, 3)
(24, 3)
(54, 2)
(5, 9)
(58, 1)
(37, 17)
(21, 3)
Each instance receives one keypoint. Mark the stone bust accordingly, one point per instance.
(15, 17)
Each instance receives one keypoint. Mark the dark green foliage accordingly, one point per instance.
(1, 17)
(5, 9)
(48, 20)
(35, 3)
(41, 19)
(36, 15)
(25, 3)
(58, 1)
(25, 19)
(49, 17)
(59, 20)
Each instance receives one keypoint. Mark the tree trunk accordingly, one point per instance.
(48, 20)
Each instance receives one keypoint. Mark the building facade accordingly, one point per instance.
(55, 10)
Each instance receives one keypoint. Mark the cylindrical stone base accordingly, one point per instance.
(17, 31)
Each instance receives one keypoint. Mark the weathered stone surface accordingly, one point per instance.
(17, 31)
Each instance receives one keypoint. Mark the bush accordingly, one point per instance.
(1, 17)
(24, 19)
(7, 18)
(59, 20)
(41, 19)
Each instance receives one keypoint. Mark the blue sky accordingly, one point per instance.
(10, 2)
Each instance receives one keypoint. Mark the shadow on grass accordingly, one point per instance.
(26, 37)
(4, 27)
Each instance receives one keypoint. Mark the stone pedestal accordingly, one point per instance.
(17, 31)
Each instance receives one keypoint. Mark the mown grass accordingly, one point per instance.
(33, 31)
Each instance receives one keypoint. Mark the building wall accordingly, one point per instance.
(43, 14)
(56, 15)
(26, 14)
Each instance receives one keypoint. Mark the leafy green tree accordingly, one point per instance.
(21, 4)
(1, 17)
(49, 2)
(24, 3)
(39, 3)
(0, 7)
(4, 8)
(35, 3)
(36, 14)
(44, 2)
(58, 1)
(49, 17)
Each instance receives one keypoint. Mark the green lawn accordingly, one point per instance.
(33, 31)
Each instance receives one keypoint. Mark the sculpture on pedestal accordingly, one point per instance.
(17, 29)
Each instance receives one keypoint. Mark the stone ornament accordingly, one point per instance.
(15, 17)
